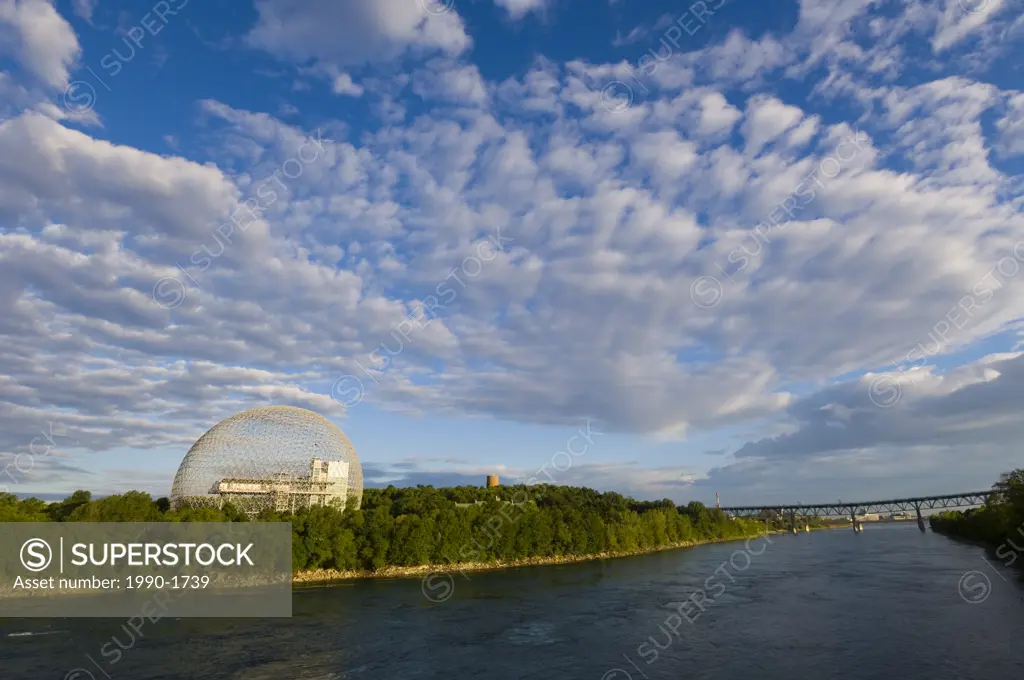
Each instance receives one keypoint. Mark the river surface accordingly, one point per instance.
(890, 603)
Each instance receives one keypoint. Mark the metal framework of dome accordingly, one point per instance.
(273, 457)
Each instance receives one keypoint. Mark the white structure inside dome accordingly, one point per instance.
(326, 485)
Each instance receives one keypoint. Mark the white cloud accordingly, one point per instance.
(517, 9)
(353, 32)
(343, 85)
(444, 80)
(341, 82)
(1011, 128)
(610, 239)
(85, 8)
(717, 115)
(767, 118)
(960, 18)
(52, 172)
(634, 36)
(843, 443)
(947, 139)
(39, 38)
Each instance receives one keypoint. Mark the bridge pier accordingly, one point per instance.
(792, 521)
(920, 519)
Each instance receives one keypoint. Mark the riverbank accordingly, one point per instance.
(998, 550)
(311, 576)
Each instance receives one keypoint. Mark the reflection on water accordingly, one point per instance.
(890, 602)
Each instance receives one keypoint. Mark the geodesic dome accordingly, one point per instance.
(267, 458)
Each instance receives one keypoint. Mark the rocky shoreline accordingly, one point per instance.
(309, 576)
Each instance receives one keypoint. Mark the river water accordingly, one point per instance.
(890, 602)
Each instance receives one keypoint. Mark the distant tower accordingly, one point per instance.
(717, 503)
(492, 480)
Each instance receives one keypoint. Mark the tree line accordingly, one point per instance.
(426, 525)
(999, 523)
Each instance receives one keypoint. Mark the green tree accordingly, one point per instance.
(375, 538)
(60, 511)
(28, 510)
(424, 525)
(998, 522)
(133, 506)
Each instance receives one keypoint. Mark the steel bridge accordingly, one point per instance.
(839, 508)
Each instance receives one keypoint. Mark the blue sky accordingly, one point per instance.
(766, 249)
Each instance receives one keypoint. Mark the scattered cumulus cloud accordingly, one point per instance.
(697, 252)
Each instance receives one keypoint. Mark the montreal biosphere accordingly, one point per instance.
(278, 458)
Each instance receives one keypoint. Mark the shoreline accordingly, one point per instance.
(991, 549)
(326, 576)
(313, 577)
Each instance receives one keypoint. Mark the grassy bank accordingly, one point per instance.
(331, 575)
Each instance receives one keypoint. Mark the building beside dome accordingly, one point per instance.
(279, 458)
(326, 484)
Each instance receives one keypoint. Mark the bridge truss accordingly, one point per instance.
(840, 509)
